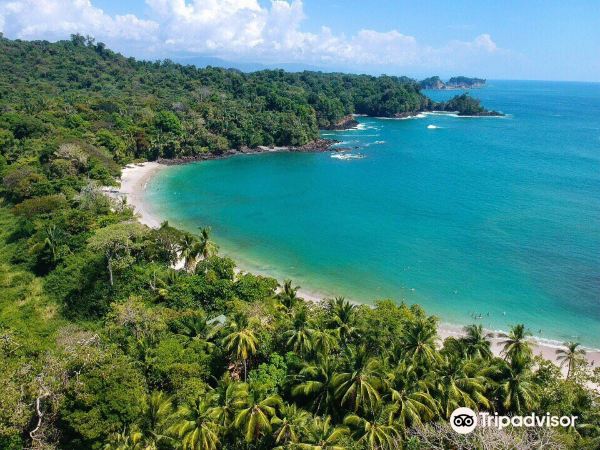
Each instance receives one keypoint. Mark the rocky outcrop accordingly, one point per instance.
(316, 146)
(319, 145)
(453, 83)
(344, 123)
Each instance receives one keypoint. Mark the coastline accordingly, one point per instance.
(135, 178)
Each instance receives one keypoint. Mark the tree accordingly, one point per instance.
(417, 342)
(324, 341)
(288, 296)
(128, 440)
(190, 251)
(411, 397)
(316, 384)
(476, 342)
(196, 427)
(254, 420)
(289, 424)
(157, 416)
(229, 397)
(357, 385)
(195, 325)
(516, 389)
(515, 342)
(168, 122)
(342, 316)
(375, 432)
(320, 434)
(459, 383)
(572, 355)
(103, 400)
(207, 247)
(117, 243)
(241, 341)
(300, 336)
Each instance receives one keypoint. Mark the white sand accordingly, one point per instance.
(546, 350)
(134, 180)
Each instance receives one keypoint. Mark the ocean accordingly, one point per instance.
(480, 220)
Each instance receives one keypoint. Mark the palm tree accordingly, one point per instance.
(207, 247)
(254, 420)
(357, 386)
(157, 415)
(288, 296)
(190, 250)
(290, 424)
(194, 325)
(476, 342)
(515, 342)
(458, 382)
(324, 341)
(132, 440)
(418, 342)
(376, 432)
(196, 426)
(241, 341)
(571, 355)
(51, 240)
(516, 389)
(342, 313)
(229, 397)
(299, 337)
(317, 385)
(322, 435)
(413, 404)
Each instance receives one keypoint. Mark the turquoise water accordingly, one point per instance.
(498, 217)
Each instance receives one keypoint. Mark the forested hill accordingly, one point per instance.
(79, 89)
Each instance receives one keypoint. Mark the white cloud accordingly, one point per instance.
(57, 19)
(241, 29)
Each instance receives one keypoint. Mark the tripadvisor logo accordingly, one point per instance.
(465, 420)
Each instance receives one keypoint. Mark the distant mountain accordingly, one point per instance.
(213, 61)
(460, 82)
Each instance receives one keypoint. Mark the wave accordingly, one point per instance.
(347, 156)
(455, 329)
(362, 126)
(416, 116)
(433, 127)
(454, 114)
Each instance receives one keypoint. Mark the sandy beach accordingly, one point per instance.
(134, 180)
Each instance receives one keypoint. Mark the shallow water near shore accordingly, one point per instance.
(487, 220)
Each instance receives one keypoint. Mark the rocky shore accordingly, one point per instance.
(316, 146)
(408, 115)
(344, 123)
(483, 114)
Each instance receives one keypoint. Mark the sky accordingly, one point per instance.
(536, 40)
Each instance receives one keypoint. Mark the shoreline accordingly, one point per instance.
(134, 181)
(320, 145)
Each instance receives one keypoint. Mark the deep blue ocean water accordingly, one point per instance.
(497, 218)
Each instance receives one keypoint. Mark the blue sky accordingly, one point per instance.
(501, 39)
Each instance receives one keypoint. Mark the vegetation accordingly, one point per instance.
(453, 83)
(466, 82)
(106, 345)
